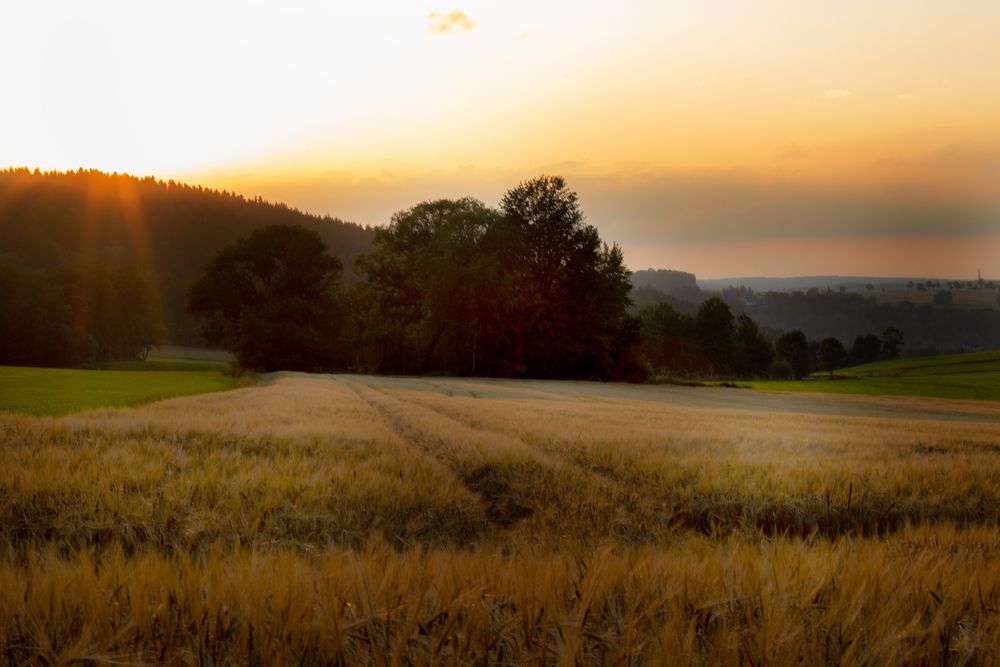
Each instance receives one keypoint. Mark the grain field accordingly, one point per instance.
(373, 520)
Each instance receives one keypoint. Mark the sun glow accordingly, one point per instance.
(167, 89)
(294, 100)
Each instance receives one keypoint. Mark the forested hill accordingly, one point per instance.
(165, 229)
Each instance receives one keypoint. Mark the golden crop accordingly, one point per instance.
(315, 519)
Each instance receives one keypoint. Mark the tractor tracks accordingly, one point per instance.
(514, 480)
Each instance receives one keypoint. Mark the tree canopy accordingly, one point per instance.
(271, 298)
(528, 289)
(793, 347)
(831, 354)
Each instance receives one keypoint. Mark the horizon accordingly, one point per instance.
(771, 140)
(712, 278)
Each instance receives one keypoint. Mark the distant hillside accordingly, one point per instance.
(802, 283)
(167, 229)
(927, 327)
(845, 306)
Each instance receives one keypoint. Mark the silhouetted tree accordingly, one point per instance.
(831, 354)
(865, 349)
(530, 290)
(271, 298)
(668, 341)
(943, 298)
(567, 316)
(892, 343)
(433, 291)
(794, 348)
(716, 332)
(753, 353)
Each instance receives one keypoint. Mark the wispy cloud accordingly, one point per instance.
(836, 93)
(453, 21)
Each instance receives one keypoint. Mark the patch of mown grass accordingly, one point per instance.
(59, 391)
(960, 376)
(944, 364)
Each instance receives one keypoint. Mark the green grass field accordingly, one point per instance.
(59, 391)
(963, 376)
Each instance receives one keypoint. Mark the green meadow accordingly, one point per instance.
(59, 391)
(962, 376)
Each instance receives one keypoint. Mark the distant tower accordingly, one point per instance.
(979, 275)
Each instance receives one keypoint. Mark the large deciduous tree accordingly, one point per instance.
(568, 308)
(716, 330)
(865, 349)
(454, 286)
(794, 348)
(271, 298)
(668, 341)
(831, 354)
(432, 294)
(753, 353)
(892, 343)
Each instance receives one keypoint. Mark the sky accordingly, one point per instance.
(725, 138)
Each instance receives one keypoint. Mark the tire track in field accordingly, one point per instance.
(648, 505)
(657, 505)
(513, 479)
(551, 451)
(591, 499)
(553, 456)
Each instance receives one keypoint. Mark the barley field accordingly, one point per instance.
(373, 520)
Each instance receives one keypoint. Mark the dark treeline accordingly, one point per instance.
(451, 287)
(713, 341)
(930, 328)
(169, 231)
(75, 316)
(96, 266)
(527, 289)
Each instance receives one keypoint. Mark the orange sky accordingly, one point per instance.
(773, 137)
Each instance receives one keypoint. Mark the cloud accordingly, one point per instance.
(453, 21)
(836, 93)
